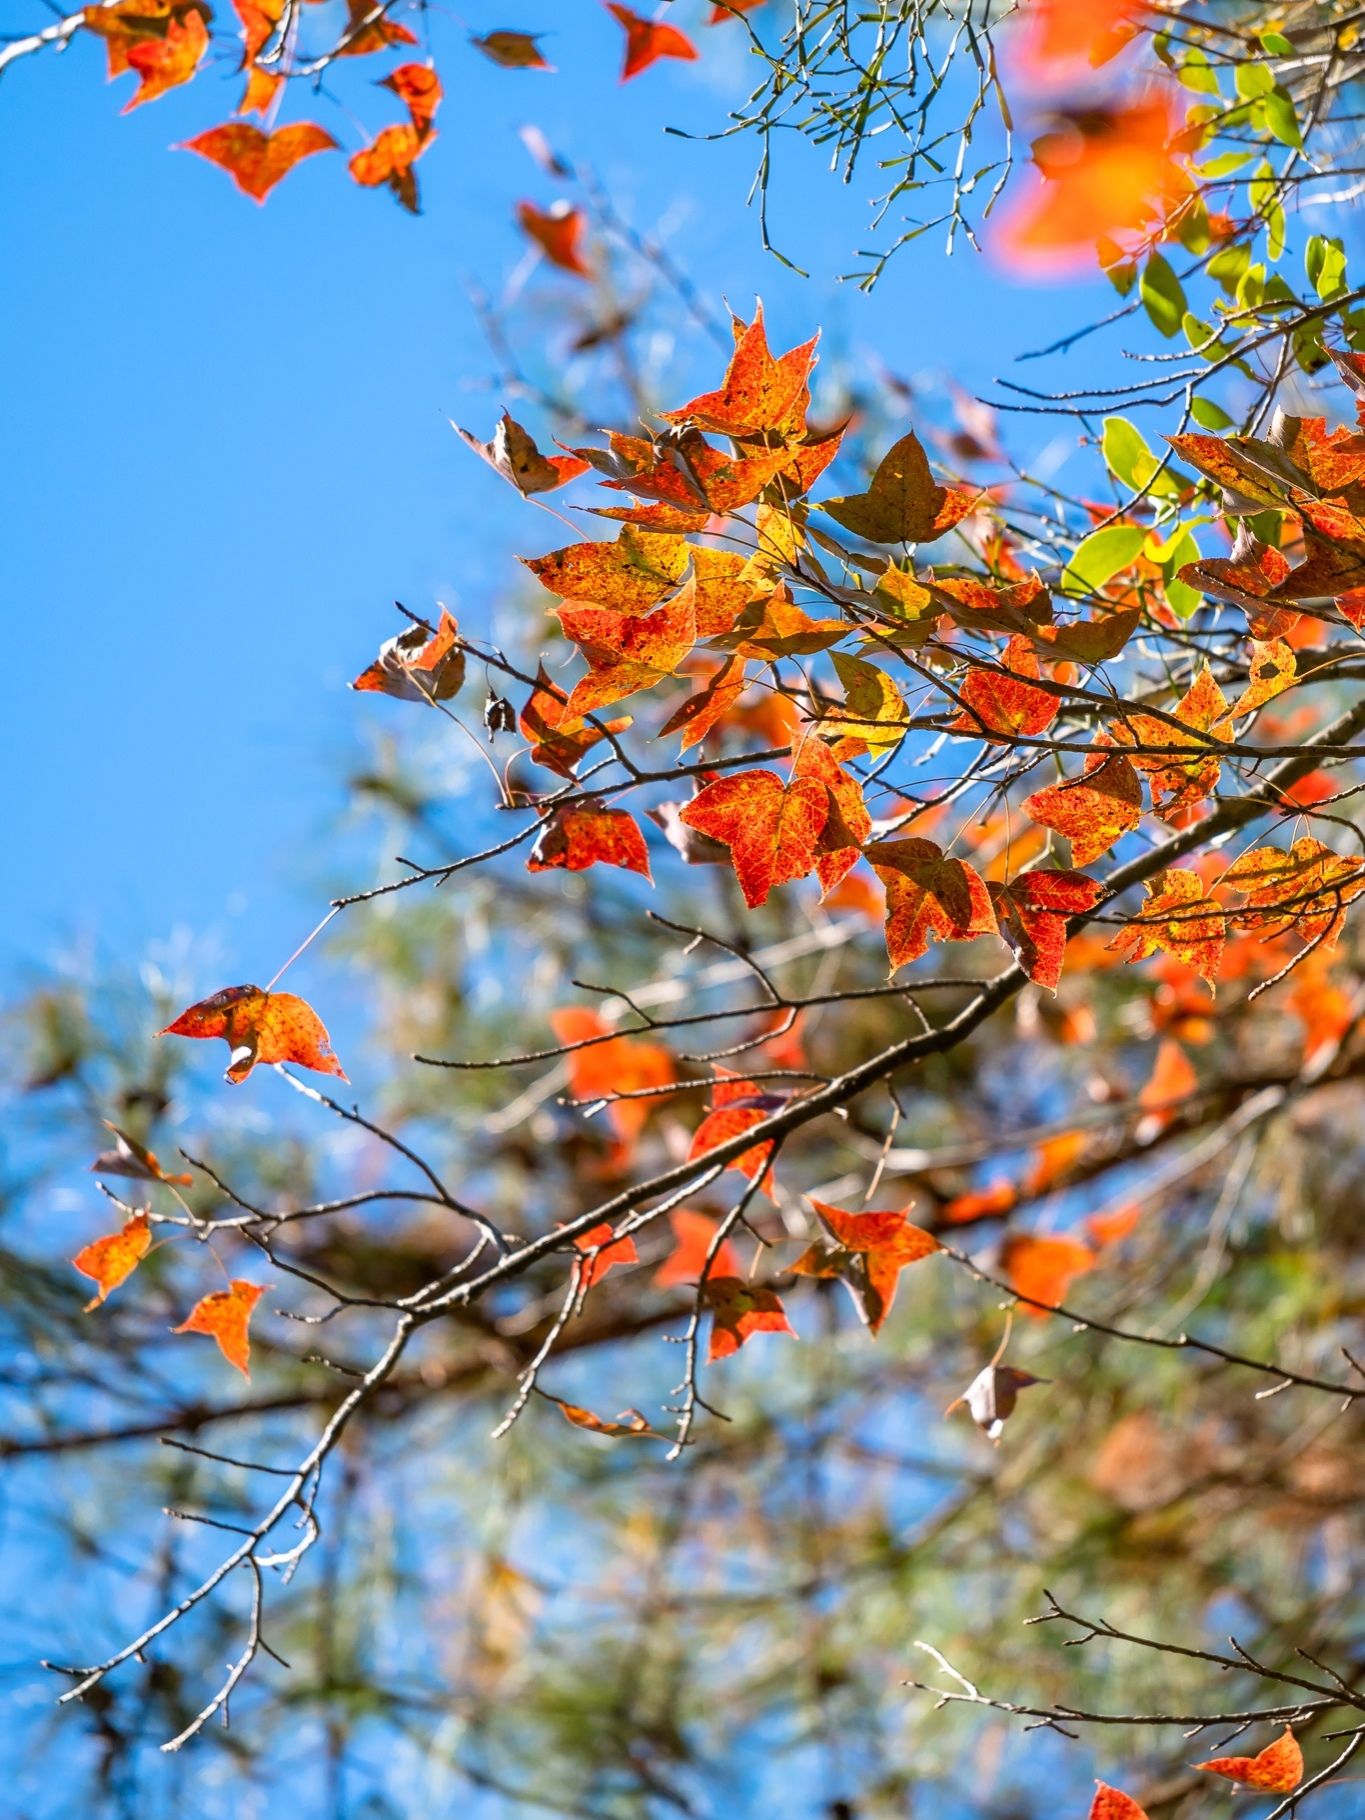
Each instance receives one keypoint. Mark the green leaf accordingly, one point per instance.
(1278, 112)
(1253, 80)
(1195, 72)
(1325, 263)
(1208, 415)
(1126, 454)
(1101, 556)
(1162, 295)
(1276, 44)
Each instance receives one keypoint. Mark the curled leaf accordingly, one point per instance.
(111, 1260)
(260, 1027)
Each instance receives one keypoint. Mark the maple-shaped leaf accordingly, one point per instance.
(772, 625)
(629, 1423)
(737, 1105)
(849, 822)
(903, 502)
(772, 829)
(111, 1260)
(1272, 669)
(1277, 1769)
(389, 159)
(260, 1026)
(1032, 912)
(758, 392)
(1043, 1266)
(608, 1065)
(1178, 919)
(514, 455)
(626, 653)
(695, 717)
(928, 897)
(418, 87)
(225, 1317)
(869, 1253)
(1092, 811)
(579, 835)
(260, 19)
(647, 40)
(1307, 889)
(1177, 781)
(992, 1396)
(558, 232)
(632, 574)
(1247, 579)
(1001, 704)
(368, 29)
(130, 1158)
(512, 50)
(688, 474)
(1113, 1804)
(256, 161)
(558, 739)
(739, 1310)
(694, 1234)
(418, 664)
(164, 63)
(1020, 607)
(872, 716)
(603, 1251)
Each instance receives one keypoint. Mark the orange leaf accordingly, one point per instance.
(1062, 31)
(112, 1259)
(1173, 1079)
(619, 1064)
(928, 897)
(512, 50)
(849, 822)
(738, 1311)
(903, 502)
(730, 9)
(627, 654)
(770, 828)
(1113, 1804)
(1177, 781)
(256, 161)
(1093, 811)
(418, 664)
(558, 739)
(647, 41)
(365, 33)
(700, 712)
(418, 87)
(758, 392)
(737, 1106)
(260, 1027)
(130, 1158)
(1043, 1267)
(226, 1317)
(632, 575)
(164, 63)
(996, 706)
(1306, 889)
(513, 454)
(629, 1423)
(259, 19)
(1033, 911)
(1179, 919)
(558, 232)
(870, 1252)
(694, 1234)
(1277, 1769)
(580, 835)
(389, 159)
(603, 1253)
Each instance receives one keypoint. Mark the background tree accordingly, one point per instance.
(643, 1100)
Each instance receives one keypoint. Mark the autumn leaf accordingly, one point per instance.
(771, 828)
(739, 1310)
(1113, 1804)
(1092, 811)
(1064, 31)
(256, 161)
(389, 159)
(869, 1254)
(690, 477)
(1000, 704)
(624, 653)
(903, 502)
(559, 740)
(928, 897)
(260, 1026)
(607, 1065)
(992, 1396)
(1043, 1267)
(632, 574)
(709, 706)
(418, 87)
(1172, 1081)
(694, 1234)
(737, 1105)
(1032, 912)
(226, 1317)
(647, 40)
(1271, 670)
(1178, 919)
(1204, 721)
(369, 30)
(164, 63)
(130, 1158)
(512, 50)
(629, 1423)
(731, 9)
(558, 232)
(602, 1252)
(513, 454)
(1277, 1769)
(758, 393)
(418, 664)
(849, 821)
(579, 835)
(111, 1260)
(1306, 889)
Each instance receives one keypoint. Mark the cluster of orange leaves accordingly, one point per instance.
(1276, 1770)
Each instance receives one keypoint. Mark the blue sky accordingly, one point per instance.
(227, 445)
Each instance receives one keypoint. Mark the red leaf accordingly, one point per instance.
(871, 1251)
(603, 1253)
(418, 664)
(770, 828)
(758, 392)
(418, 87)
(620, 1064)
(1000, 707)
(1113, 1804)
(389, 159)
(1044, 1267)
(164, 63)
(928, 897)
(737, 1106)
(256, 161)
(226, 1317)
(1093, 811)
(694, 1234)
(627, 654)
(111, 1260)
(647, 41)
(582, 835)
(1277, 1769)
(738, 1311)
(559, 740)
(1033, 910)
(260, 1027)
(558, 232)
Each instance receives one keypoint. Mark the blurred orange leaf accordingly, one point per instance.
(1277, 1769)
(111, 1260)
(256, 161)
(226, 1317)
(739, 1310)
(647, 40)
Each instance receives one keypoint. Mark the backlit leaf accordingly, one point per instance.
(771, 828)
(647, 40)
(869, 1253)
(580, 835)
(929, 896)
(1178, 919)
(1092, 811)
(256, 161)
(260, 1027)
(1277, 1769)
(513, 454)
(739, 1310)
(418, 664)
(111, 1260)
(226, 1317)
